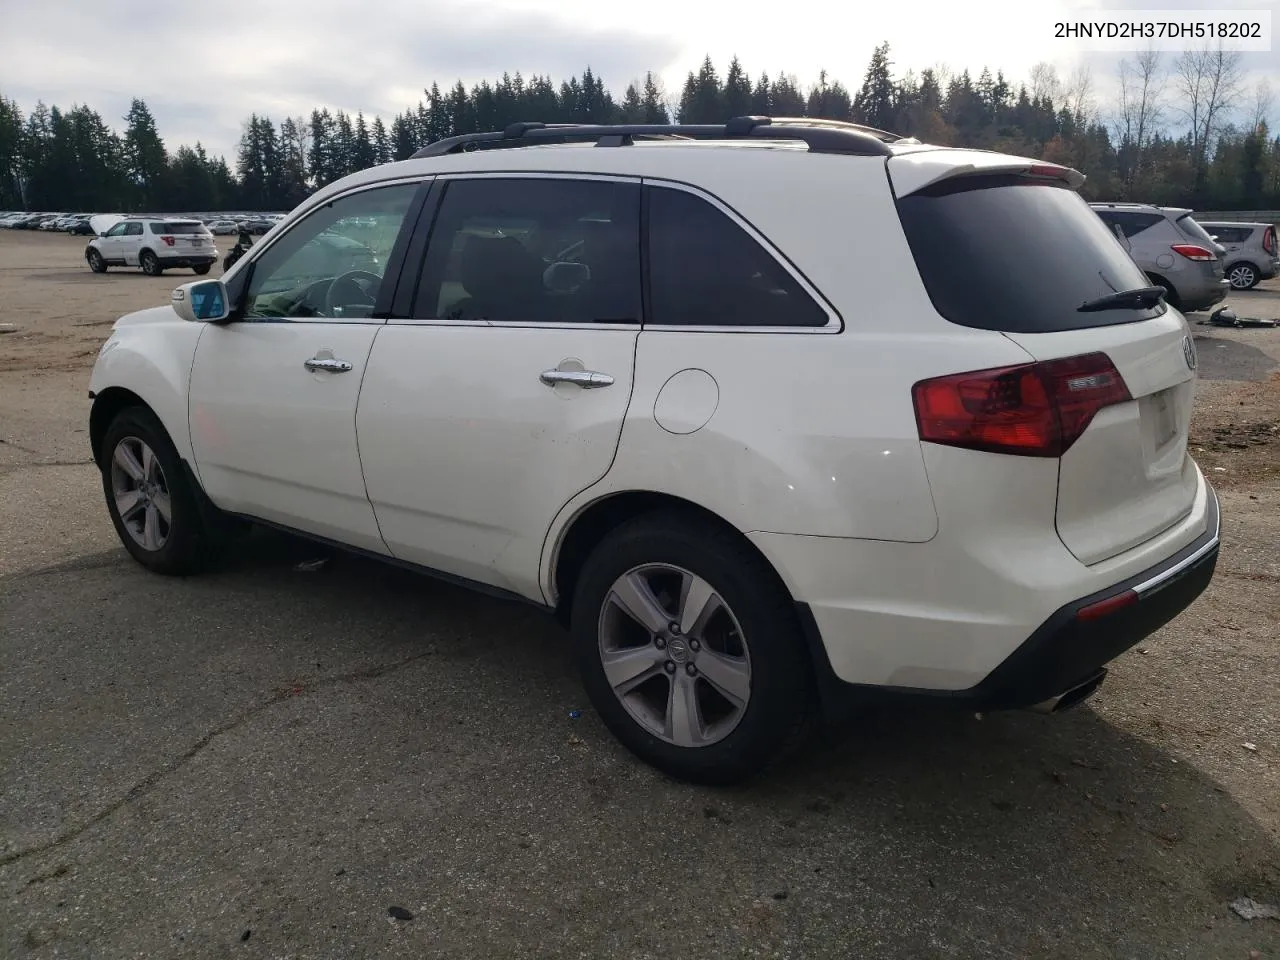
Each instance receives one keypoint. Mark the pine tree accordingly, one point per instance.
(632, 106)
(320, 159)
(403, 141)
(144, 155)
(874, 103)
(655, 109)
(381, 143)
(828, 100)
(362, 145)
(737, 91)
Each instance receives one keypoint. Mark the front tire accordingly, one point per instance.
(1243, 276)
(690, 649)
(96, 263)
(153, 504)
(150, 264)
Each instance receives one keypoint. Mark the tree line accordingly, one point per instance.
(1186, 130)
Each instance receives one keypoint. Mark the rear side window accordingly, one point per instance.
(178, 229)
(133, 229)
(1230, 234)
(1004, 253)
(705, 270)
(1188, 225)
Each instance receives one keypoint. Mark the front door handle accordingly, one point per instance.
(328, 364)
(586, 379)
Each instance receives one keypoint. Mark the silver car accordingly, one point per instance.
(1172, 249)
(1251, 255)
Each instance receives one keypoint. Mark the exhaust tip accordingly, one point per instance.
(1073, 697)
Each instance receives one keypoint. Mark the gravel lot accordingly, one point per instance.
(265, 762)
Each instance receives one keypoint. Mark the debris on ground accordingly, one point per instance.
(574, 714)
(399, 913)
(1251, 747)
(310, 566)
(1248, 908)
(1226, 317)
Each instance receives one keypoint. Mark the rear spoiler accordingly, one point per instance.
(912, 171)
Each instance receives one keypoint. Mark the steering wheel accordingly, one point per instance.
(332, 302)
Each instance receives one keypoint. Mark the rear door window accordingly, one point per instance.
(546, 250)
(1010, 254)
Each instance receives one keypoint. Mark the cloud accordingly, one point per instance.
(202, 76)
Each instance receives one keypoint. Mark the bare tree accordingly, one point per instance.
(1045, 82)
(1141, 108)
(1078, 96)
(1263, 101)
(1209, 82)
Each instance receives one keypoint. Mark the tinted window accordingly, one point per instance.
(1131, 224)
(133, 229)
(330, 263)
(705, 270)
(179, 229)
(534, 251)
(1003, 253)
(117, 230)
(1193, 230)
(1229, 234)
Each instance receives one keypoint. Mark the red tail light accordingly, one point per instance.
(168, 241)
(1034, 410)
(1269, 240)
(1193, 252)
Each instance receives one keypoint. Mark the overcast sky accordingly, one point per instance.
(204, 68)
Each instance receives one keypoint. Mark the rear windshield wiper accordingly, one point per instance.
(1138, 297)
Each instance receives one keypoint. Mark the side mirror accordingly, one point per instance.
(204, 301)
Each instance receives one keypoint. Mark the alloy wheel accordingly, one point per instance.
(674, 655)
(141, 493)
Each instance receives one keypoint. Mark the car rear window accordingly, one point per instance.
(1016, 255)
(178, 229)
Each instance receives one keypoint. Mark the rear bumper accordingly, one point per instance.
(1206, 296)
(1067, 650)
(193, 260)
(1268, 269)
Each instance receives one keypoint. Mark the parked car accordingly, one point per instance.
(81, 228)
(1251, 254)
(1172, 249)
(760, 469)
(221, 228)
(155, 245)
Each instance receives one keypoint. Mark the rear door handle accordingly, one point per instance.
(328, 364)
(586, 379)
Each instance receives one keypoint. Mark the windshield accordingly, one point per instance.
(1016, 255)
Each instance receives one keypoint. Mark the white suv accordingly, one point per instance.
(778, 418)
(154, 245)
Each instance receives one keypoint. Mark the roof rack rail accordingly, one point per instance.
(822, 136)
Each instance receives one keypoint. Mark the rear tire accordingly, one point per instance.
(96, 263)
(1243, 276)
(662, 702)
(150, 264)
(143, 479)
(202, 269)
(1170, 294)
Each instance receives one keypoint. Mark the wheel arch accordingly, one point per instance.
(595, 520)
(107, 405)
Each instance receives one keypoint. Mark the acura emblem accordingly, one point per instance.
(1189, 352)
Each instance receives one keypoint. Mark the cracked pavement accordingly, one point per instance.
(263, 762)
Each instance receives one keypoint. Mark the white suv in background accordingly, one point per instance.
(155, 245)
(656, 380)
